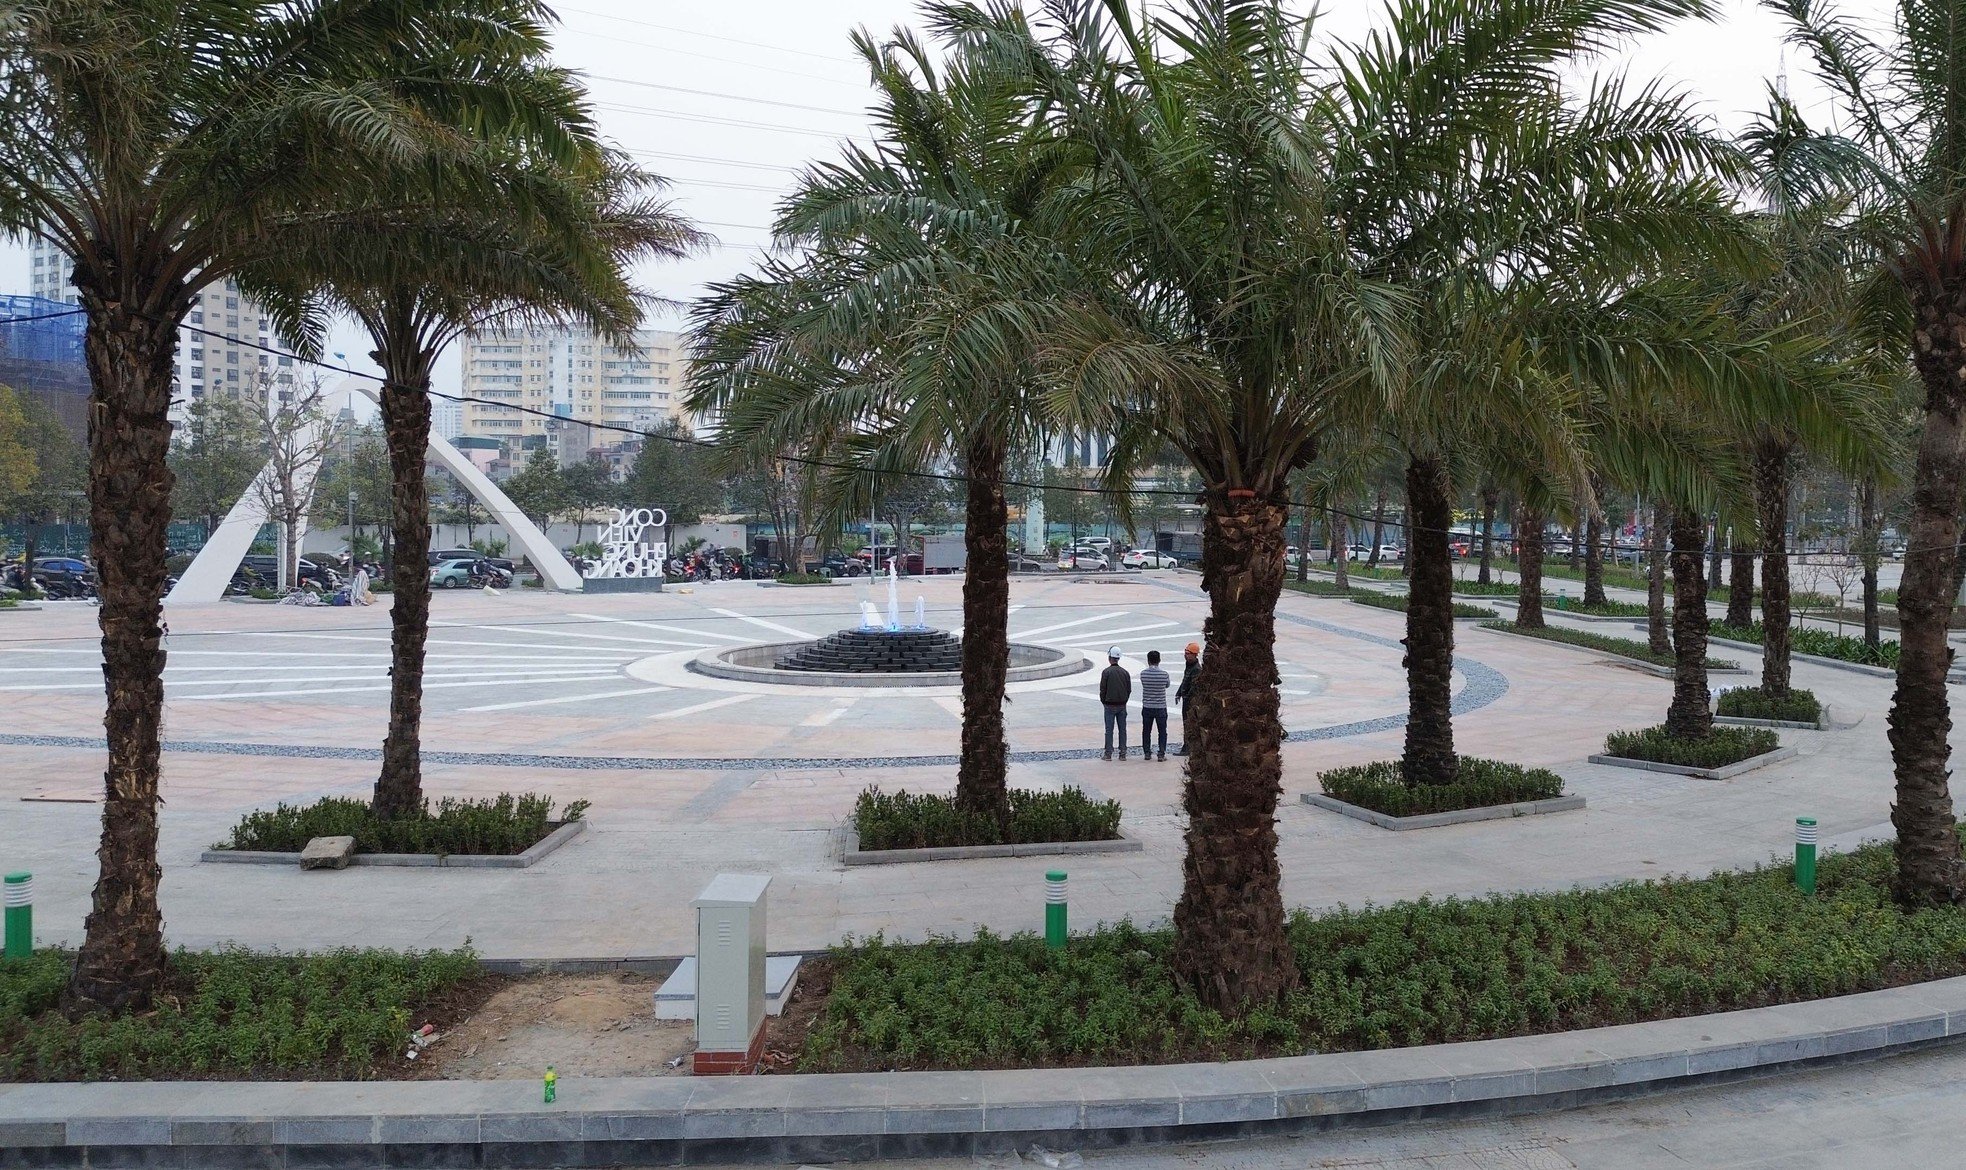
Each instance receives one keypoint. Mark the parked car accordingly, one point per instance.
(453, 574)
(69, 566)
(1147, 558)
(841, 565)
(1019, 563)
(1083, 557)
(1103, 544)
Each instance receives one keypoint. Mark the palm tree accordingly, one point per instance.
(499, 234)
(165, 147)
(896, 328)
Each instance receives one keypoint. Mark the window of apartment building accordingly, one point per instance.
(263, 363)
(232, 375)
(197, 316)
(232, 322)
(232, 357)
(231, 302)
(285, 360)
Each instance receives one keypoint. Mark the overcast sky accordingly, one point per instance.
(727, 99)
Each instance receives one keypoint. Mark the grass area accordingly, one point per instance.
(1430, 972)
(1397, 601)
(905, 820)
(1361, 569)
(1823, 643)
(503, 825)
(1382, 787)
(1492, 589)
(9, 603)
(337, 1015)
(1717, 749)
(1317, 588)
(1628, 647)
(1794, 706)
(1606, 608)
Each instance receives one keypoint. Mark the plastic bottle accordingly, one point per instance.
(552, 1084)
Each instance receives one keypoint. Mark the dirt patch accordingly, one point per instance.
(582, 1025)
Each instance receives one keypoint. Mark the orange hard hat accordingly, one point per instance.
(1193, 648)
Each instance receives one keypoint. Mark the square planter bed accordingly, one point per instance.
(1493, 812)
(855, 855)
(566, 832)
(1727, 772)
(1821, 723)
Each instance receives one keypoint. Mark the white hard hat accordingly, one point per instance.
(1112, 651)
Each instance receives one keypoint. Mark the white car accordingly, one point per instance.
(1100, 543)
(1086, 558)
(1147, 558)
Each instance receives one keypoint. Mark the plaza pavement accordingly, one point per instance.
(695, 778)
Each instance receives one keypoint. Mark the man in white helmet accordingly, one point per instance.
(1115, 691)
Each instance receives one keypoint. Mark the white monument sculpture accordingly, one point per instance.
(625, 551)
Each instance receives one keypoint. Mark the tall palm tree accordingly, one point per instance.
(496, 235)
(894, 323)
(164, 146)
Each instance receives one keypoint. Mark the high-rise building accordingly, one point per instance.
(571, 385)
(216, 347)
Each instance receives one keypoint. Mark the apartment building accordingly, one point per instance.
(562, 387)
(216, 350)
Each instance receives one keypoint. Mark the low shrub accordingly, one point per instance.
(907, 820)
(1822, 643)
(1317, 588)
(1382, 787)
(9, 603)
(381, 587)
(1605, 608)
(1397, 601)
(263, 593)
(1793, 706)
(1716, 749)
(803, 579)
(1436, 971)
(339, 1014)
(1492, 589)
(1626, 647)
(503, 825)
(1373, 572)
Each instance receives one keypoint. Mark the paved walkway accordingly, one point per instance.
(785, 768)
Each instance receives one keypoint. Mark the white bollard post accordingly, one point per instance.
(730, 974)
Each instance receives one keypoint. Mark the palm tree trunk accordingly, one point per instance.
(1342, 541)
(406, 428)
(1378, 530)
(1576, 546)
(1594, 558)
(1689, 717)
(121, 963)
(1304, 536)
(1740, 585)
(982, 785)
(1927, 842)
(1529, 568)
(1488, 501)
(1771, 500)
(1229, 941)
(1655, 584)
(1871, 523)
(1429, 754)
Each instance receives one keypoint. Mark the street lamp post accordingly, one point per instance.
(351, 530)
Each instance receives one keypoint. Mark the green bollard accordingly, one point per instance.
(20, 915)
(1805, 855)
(1054, 909)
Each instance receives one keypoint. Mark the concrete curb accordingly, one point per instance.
(816, 1118)
(1549, 610)
(1832, 663)
(1821, 723)
(716, 663)
(1726, 773)
(1651, 668)
(1459, 816)
(855, 855)
(23, 607)
(533, 856)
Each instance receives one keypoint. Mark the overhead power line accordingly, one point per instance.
(729, 97)
(700, 55)
(690, 32)
(714, 120)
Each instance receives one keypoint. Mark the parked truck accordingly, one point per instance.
(944, 554)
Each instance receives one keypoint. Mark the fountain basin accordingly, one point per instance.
(759, 663)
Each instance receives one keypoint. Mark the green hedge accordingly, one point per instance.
(1822, 643)
(906, 820)
(802, 579)
(1795, 706)
(503, 825)
(1606, 608)
(1382, 787)
(1717, 749)
(1492, 589)
(1430, 972)
(1317, 588)
(1397, 601)
(336, 1015)
(1627, 647)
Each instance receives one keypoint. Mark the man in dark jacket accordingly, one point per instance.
(1190, 669)
(1115, 691)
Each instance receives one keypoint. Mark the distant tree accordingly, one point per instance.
(912, 499)
(298, 435)
(215, 453)
(56, 485)
(538, 489)
(359, 463)
(17, 463)
(588, 485)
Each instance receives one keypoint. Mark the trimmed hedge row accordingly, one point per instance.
(503, 825)
(906, 820)
(1382, 787)
(1717, 749)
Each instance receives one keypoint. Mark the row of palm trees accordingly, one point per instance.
(419, 164)
(1200, 229)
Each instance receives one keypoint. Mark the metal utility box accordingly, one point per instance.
(730, 985)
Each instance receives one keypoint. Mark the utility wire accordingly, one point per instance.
(690, 32)
(699, 55)
(729, 97)
(41, 317)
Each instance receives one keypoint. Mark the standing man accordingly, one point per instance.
(1153, 706)
(1115, 689)
(1190, 668)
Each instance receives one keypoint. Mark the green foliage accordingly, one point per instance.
(1382, 787)
(1593, 641)
(1317, 588)
(1492, 589)
(9, 603)
(1397, 601)
(501, 826)
(496, 548)
(1605, 608)
(1373, 572)
(1427, 972)
(803, 579)
(1716, 749)
(1795, 706)
(907, 820)
(1823, 643)
(340, 1014)
(263, 593)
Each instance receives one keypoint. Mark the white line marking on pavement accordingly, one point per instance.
(1104, 617)
(823, 718)
(569, 699)
(712, 705)
(490, 682)
(446, 642)
(1172, 639)
(1093, 695)
(767, 625)
(659, 627)
(951, 705)
(563, 633)
(1090, 635)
